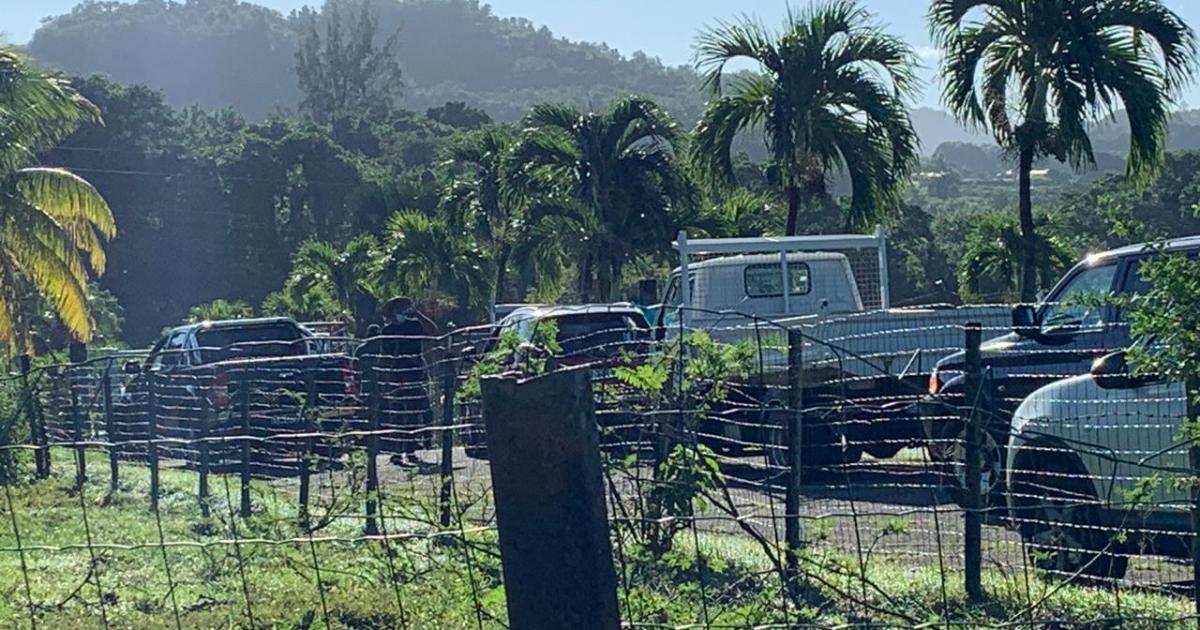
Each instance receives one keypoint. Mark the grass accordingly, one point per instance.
(435, 582)
(708, 580)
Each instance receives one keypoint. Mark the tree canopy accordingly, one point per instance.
(53, 223)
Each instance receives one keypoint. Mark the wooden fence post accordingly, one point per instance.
(110, 429)
(795, 443)
(152, 434)
(244, 505)
(78, 356)
(37, 428)
(449, 391)
(372, 528)
(544, 453)
(306, 446)
(972, 493)
(1191, 390)
(202, 449)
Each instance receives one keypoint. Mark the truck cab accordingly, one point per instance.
(818, 283)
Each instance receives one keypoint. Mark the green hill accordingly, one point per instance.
(224, 53)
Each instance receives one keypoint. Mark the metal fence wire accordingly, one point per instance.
(878, 469)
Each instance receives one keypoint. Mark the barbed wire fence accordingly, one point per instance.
(756, 474)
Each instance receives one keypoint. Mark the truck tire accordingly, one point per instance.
(1056, 511)
(821, 447)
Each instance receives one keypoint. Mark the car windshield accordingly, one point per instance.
(578, 333)
(1079, 303)
(271, 340)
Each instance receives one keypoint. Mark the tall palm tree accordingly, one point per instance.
(1035, 73)
(422, 258)
(607, 181)
(52, 223)
(829, 94)
(480, 197)
(343, 275)
(993, 255)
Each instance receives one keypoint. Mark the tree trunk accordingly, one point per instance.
(585, 280)
(604, 279)
(793, 199)
(1029, 254)
(501, 275)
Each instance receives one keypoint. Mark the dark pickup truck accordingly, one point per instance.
(213, 378)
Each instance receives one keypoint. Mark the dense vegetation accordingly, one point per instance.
(348, 174)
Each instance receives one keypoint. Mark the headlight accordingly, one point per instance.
(935, 383)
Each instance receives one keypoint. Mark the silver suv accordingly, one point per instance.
(1093, 463)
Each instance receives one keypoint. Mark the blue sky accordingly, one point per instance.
(661, 28)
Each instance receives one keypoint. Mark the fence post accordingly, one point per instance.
(78, 356)
(203, 454)
(449, 391)
(110, 429)
(972, 499)
(37, 428)
(306, 447)
(152, 434)
(244, 392)
(371, 528)
(555, 550)
(795, 444)
(1191, 390)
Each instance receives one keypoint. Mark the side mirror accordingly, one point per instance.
(1024, 318)
(1111, 371)
(132, 367)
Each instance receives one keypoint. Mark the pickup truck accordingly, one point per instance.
(865, 366)
(203, 369)
(1080, 449)
(1060, 337)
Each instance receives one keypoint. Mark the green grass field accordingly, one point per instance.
(270, 578)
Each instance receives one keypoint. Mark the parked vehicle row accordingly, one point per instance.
(1069, 431)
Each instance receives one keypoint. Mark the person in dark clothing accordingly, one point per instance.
(394, 366)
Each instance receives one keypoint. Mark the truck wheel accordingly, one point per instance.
(1057, 514)
(812, 455)
(991, 471)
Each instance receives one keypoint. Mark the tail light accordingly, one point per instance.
(218, 394)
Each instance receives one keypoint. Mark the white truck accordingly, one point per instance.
(865, 364)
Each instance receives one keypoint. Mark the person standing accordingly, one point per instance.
(403, 376)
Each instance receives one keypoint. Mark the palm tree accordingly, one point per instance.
(1036, 73)
(829, 94)
(607, 182)
(993, 255)
(342, 275)
(52, 223)
(481, 199)
(421, 257)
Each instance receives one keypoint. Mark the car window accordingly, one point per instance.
(270, 340)
(170, 354)
(765, 280)
(591, 331)
(1075, 305)
(674, 296)
(1134, 283)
